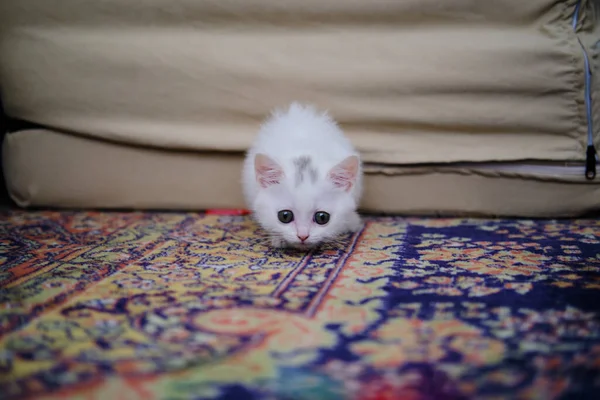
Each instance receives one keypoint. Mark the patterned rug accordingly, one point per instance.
(191, 306)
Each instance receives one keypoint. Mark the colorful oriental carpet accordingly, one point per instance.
(191, 306)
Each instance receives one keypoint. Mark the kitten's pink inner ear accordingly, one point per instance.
(343, 175)
(268, 172)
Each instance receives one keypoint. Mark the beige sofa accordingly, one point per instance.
(458, 106)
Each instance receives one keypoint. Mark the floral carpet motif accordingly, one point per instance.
(193, 306)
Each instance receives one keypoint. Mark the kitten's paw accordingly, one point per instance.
(277, 243)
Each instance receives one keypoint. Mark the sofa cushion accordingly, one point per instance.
(48, 168)
(411, 82)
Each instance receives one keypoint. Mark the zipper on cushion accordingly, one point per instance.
(590, 156)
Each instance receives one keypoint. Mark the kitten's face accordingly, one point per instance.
(305, 209)
(305, 217)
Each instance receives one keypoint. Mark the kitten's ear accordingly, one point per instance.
(268, 172)
(343, 175)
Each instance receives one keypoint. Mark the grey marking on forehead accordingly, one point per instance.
(304, 167)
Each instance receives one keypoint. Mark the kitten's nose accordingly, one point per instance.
(302, 237)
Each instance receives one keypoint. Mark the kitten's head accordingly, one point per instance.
(310, 206)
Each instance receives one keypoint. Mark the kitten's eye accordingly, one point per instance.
(285, 216)
(321, 217)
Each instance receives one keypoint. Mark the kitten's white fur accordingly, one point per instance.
(331, 180)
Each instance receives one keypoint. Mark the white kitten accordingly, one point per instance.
(302, 178)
